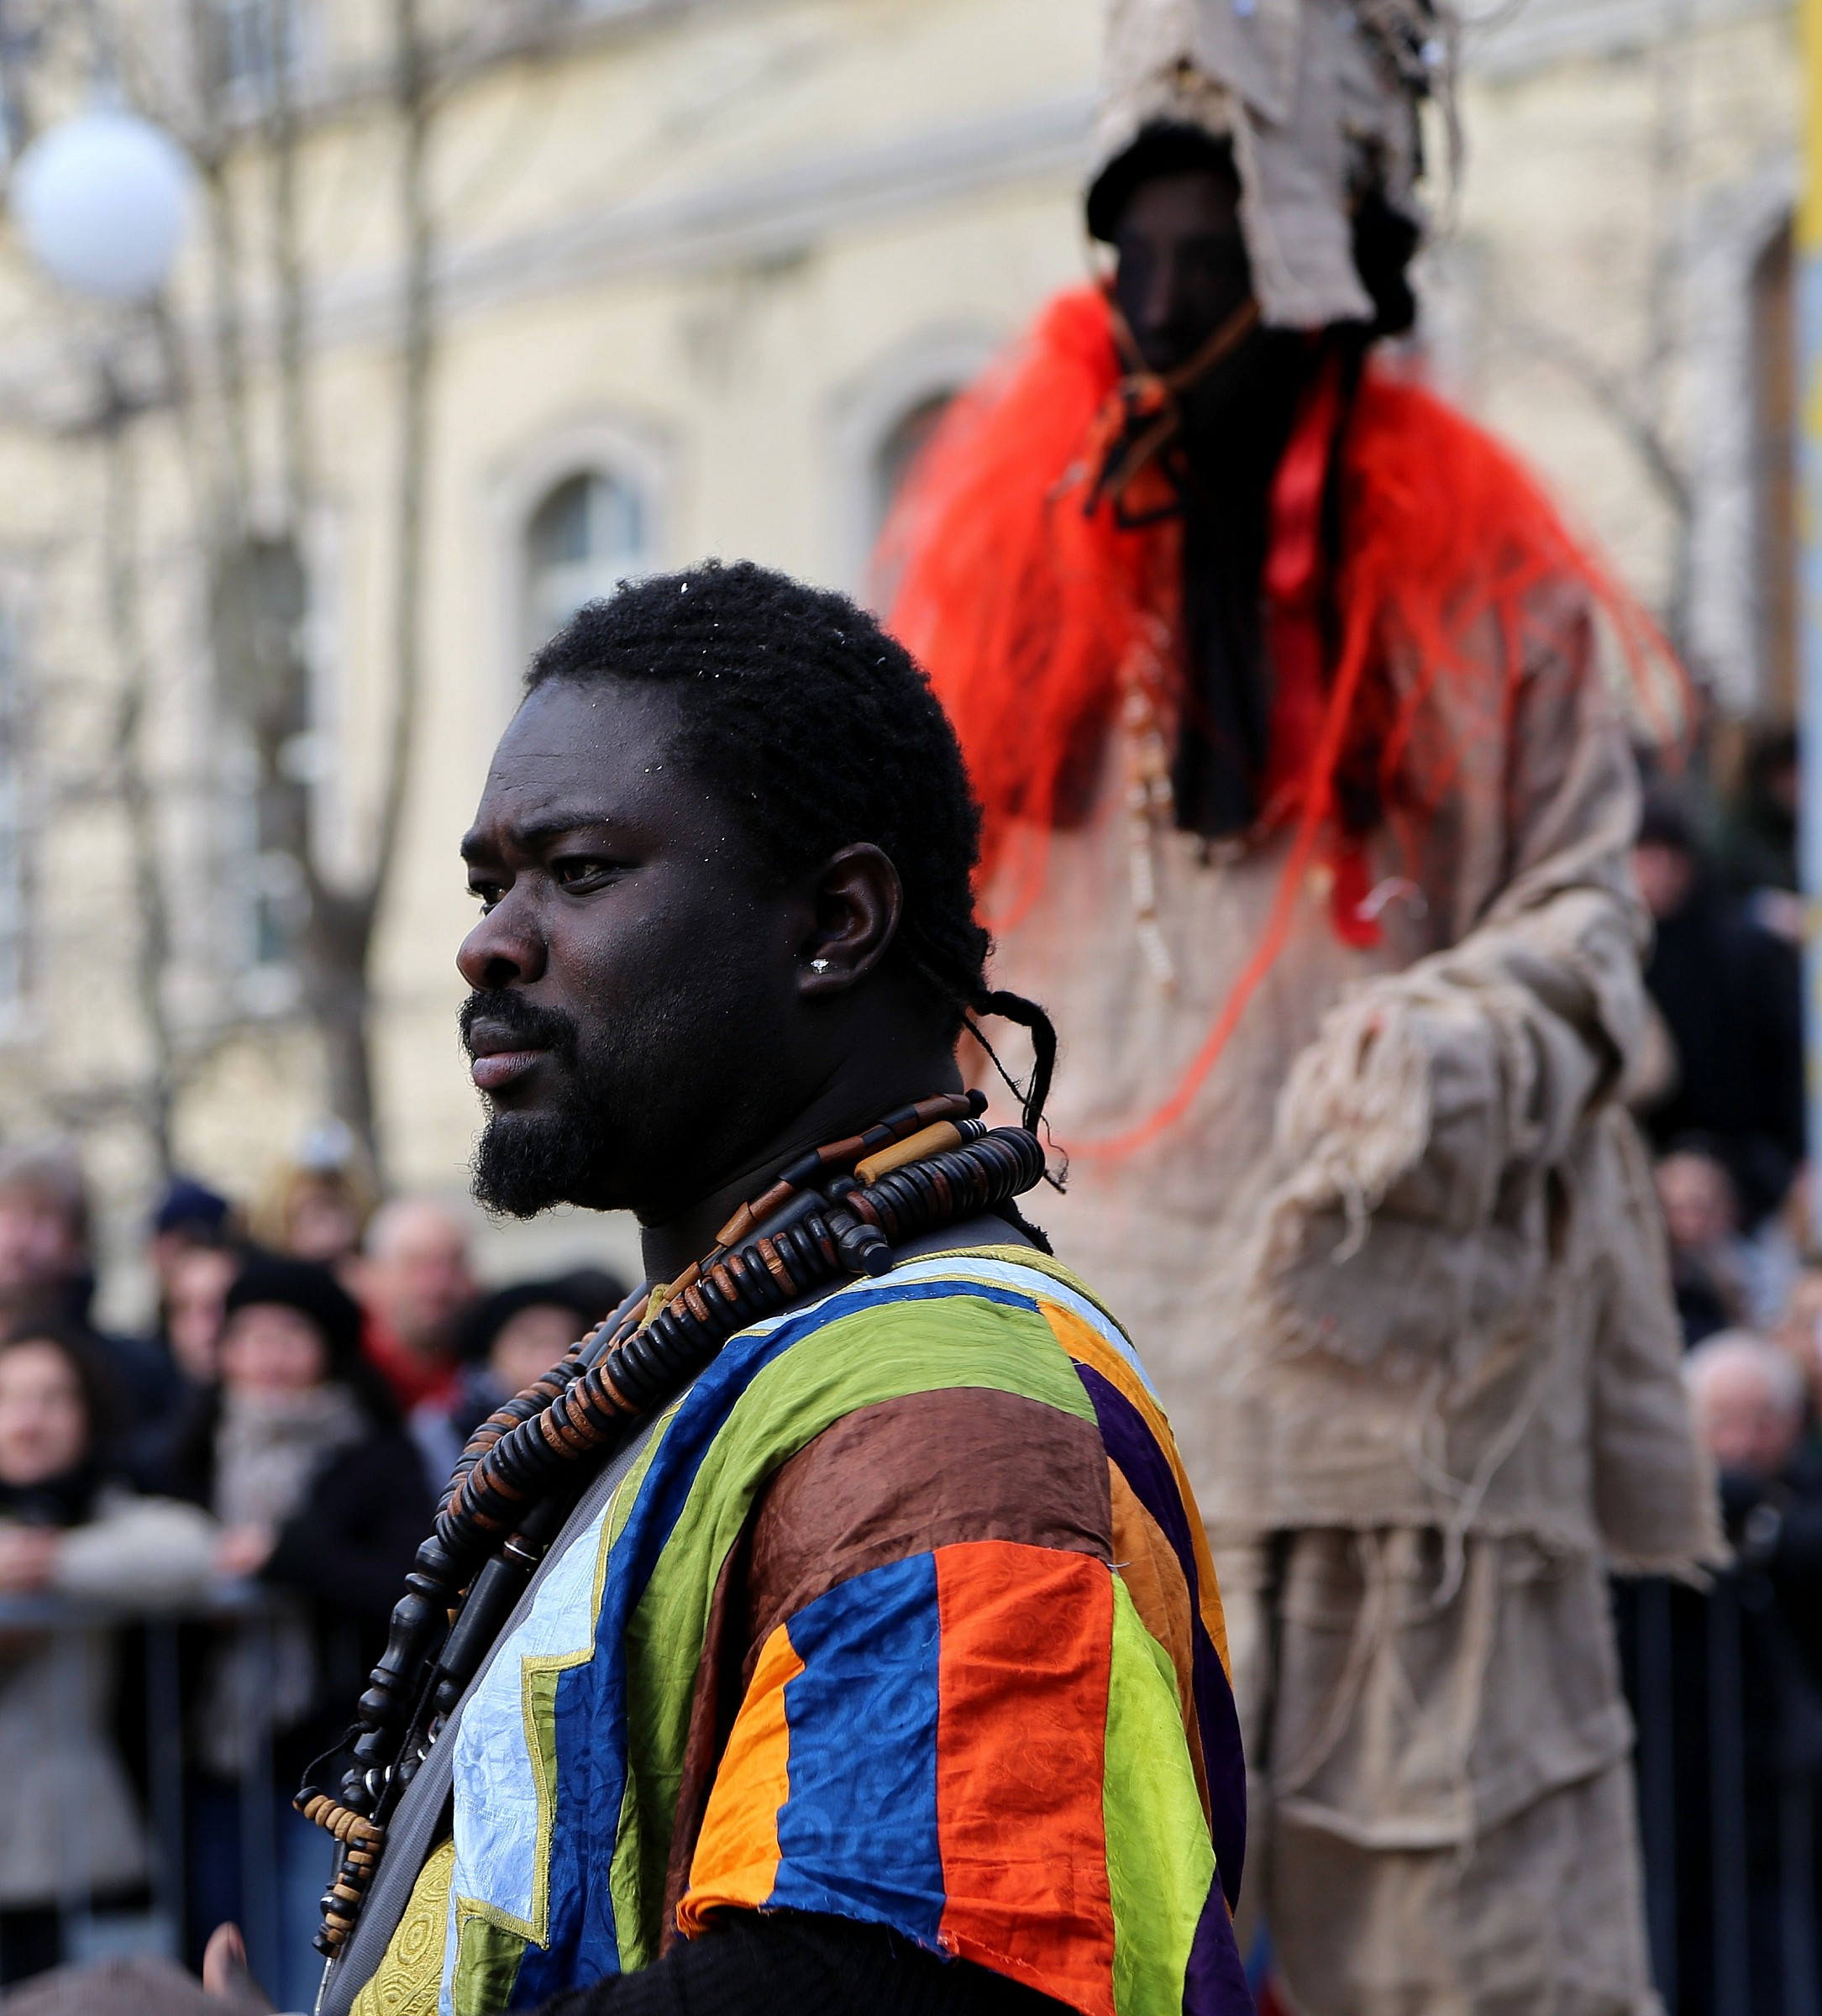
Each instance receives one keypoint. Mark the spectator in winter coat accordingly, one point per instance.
(47, 1270)
(299, 1452)
(508, 1339)
(1764, 1696)
(68, 1823)
(1730, 993)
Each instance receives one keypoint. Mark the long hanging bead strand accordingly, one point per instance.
(924, 1166)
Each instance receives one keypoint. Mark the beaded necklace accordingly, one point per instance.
(837, 1211)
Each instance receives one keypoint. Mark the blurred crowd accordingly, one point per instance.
(264, 1463)
(272, 1449)
(1723, 1110)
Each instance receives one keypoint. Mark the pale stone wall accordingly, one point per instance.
(719, 250)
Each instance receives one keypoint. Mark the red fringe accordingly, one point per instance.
(1027, 612)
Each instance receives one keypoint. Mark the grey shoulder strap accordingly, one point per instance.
(418, 1824)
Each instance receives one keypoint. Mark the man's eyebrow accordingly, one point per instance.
(529, 834)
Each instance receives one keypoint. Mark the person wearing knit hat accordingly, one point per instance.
(505, 1340)
(1306, 815)
(298, 1451)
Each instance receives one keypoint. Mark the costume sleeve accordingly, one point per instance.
(953, 1722)
(1428, 1114)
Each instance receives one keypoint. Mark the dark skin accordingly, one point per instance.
(744, 1023)
(736, 1022)
(1183, 267)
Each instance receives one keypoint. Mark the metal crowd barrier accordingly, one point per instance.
(1727, 1757)
(1728, 1803)
(87, 1934)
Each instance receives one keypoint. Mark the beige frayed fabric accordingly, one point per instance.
(1317, 97)
(1399, 1276)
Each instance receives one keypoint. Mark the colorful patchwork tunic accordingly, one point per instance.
(905, 1615)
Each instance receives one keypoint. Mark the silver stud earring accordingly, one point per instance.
(819, 965)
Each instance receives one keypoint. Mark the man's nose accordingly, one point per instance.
(505, 948)
(1157, 305)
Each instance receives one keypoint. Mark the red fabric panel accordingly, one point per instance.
(1027, 1637)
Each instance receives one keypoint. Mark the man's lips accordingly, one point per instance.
(500, 1060)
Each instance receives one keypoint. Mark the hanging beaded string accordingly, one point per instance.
(837, 1211)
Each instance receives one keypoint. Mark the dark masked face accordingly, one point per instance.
(635, 981)
(1183, 267)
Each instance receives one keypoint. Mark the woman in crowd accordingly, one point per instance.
(69, 1829)
(508, 1339)
(298, 1452)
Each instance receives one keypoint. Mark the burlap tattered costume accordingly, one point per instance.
(1392, 1248)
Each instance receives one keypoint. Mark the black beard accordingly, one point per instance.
(524, 1163)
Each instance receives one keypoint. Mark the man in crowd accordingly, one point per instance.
(1744, 1677)
(1730, 993)
(1308, 818)
(891, 1679)
(415, 1284)
(47, 1267)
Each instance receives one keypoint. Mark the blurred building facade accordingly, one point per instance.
(698, 275)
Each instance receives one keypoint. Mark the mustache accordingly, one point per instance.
(521, 1020)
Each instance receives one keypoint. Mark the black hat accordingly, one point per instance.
(1162, 149)
(188, 1206)
(1663, 822)
(313, 1292)
(588, 1292)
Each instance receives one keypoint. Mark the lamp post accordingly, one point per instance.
(102, 203)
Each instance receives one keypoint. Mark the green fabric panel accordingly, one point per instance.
(487, 1958)
(1160, 1862)
(880, 1353)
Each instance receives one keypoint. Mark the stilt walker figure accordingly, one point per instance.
(1307, 816)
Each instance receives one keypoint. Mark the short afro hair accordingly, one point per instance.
(817, 730)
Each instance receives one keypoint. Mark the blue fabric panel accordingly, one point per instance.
(858, 1835)
(591, 1699)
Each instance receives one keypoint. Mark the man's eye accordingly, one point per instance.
(579, 874)
(486, 894)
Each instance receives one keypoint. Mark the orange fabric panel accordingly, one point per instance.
(1026, 1649)
(736, 1860)
(1085, 1344)
(1148, 1566)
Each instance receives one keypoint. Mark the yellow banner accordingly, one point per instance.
(1809, 208)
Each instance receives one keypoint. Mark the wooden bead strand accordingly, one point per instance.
(837, 1211)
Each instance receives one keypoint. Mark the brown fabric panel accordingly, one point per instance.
(883, 1482)
(719, 1686)
(927, 1470)
(1149, 1568)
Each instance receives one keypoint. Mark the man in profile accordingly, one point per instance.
(892, 1676)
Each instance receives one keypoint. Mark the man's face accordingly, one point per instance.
(1743, 1421)
(1183, 267)
(1665, 875)
(1697, 1201)
(633, 1022)
(418, 1277)
(39, 1246)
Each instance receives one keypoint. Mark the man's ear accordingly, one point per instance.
(856, 900)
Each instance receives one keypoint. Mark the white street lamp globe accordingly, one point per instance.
(102, 203)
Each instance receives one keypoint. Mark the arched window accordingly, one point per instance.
(586, 537)
(899, 448)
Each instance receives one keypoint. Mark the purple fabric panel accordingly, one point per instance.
(1131, 1445)
(1215, 1982)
